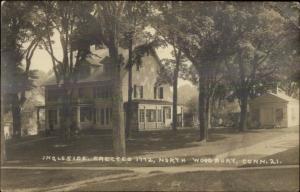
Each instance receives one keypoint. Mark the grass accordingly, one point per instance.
(23, 179)
(242, 180)
(288, 157)
(29, 151)
(173, 144)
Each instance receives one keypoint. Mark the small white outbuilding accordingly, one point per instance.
(274, 110)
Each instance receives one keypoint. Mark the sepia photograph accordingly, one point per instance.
(150, 96)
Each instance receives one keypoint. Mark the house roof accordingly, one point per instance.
(98, 58)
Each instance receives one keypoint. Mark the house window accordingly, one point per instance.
(52, 116)
(142, 92)
(151, 115)
(179, 119)
(138, 91)
(161, 92)
(80, 92)
(85, 114)
(255, 115)
(142, 115)
(94, 115)
(98, 115)
(159, 115)
(102, 92)
(293, 114)
(98, 46)
(74, 114)
(279, 115)
(53, 95)
(108, 115)
(83, 93)
(102, 116)
(168, 112)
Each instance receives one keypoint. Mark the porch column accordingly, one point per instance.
(182, 123)
(38, 119)
(138, 116)
(156, 117)
(58, 116)
(145, 117)
(78, 116)
(46, 119)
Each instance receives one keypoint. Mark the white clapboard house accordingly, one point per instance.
(152, 105)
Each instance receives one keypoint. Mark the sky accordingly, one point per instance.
(41, 60)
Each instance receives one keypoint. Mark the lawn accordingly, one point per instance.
(183, 143)
(240, 180)
(288, 157)
(40, 179)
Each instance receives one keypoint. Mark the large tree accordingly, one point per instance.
(167, 25)
(69, 20)
(255, 33)
(201, 40)
(119, 21)
(20, 38)
(110, 17)
(135, 22)
(287, 56)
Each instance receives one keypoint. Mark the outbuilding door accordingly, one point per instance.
(267, 116)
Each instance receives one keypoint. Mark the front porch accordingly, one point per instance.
(146, 115)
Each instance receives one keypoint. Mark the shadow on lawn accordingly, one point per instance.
(166, 140)
(101, 145)
(54, 146)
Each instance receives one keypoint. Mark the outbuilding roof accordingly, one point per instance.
(284, 97)
(270, 97)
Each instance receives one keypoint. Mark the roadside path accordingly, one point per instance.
(151, 169)
(243, 144)
(265, 148)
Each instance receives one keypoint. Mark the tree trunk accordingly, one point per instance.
(243, 114)
(129, 103)
(208, 112)
(175, 83)
(3, 148)
(16, 115)
(66, 116)
(244, 93)
(119, 144)
(202, 109)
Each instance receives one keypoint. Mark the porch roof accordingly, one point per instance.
(153, 102)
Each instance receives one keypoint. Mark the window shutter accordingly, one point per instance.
(95, 92)
(154, 90)
(161, 93)
(107, 116)
(142, 93)
(134, 91)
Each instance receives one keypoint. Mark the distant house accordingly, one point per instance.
(92, 109)
(274, 110)
(28, 115)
